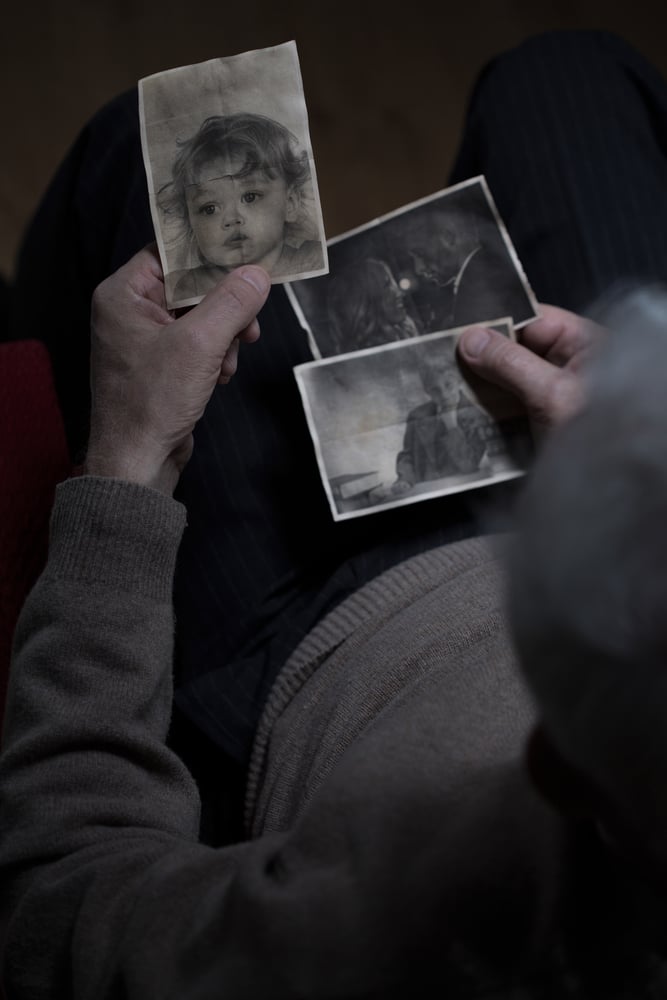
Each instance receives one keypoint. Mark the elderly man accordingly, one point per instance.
(414, 818)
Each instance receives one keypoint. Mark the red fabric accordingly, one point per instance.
(33, 459)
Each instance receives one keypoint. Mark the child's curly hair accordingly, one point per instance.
(262, 144)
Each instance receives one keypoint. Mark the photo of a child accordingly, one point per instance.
(236, 187)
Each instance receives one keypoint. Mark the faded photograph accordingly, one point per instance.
(230, 171)
(366, 307)
(440, 263)
(400, 423)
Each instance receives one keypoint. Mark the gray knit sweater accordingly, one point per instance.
(422, 649)
(395, 840)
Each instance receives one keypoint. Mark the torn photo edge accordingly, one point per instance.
(503, 324)
(479, 180)
(304, 139)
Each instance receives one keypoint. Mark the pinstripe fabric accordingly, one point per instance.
(93, 217)
(567, 130)
(262, 559)
(570, 130)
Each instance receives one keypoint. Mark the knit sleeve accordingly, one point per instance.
(84, 759)
(105, 891)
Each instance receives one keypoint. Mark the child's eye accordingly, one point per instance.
(207, 209)
(249, 196)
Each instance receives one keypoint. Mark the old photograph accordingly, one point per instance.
(230, 169)
(403, 422)
(442, 262)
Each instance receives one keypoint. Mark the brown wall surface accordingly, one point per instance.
(386, 82)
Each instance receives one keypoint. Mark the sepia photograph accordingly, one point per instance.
(400, 423)
(439, 263)
(230, 169)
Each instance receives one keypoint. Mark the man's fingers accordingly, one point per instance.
(228, 310)
(508, 364)
(558, 335)
(229, 363)
(145, 262)
(231, 359)
(549, 393)
(143, 274)
(251, 332)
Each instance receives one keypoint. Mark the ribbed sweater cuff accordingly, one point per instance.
(116, 533)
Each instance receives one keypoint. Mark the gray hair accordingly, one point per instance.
(588, 576)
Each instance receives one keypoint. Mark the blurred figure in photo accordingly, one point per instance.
(367, 307)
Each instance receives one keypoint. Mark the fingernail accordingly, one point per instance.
(475, 340)
(256, 277)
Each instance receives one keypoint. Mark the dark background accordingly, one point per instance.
(386, 83)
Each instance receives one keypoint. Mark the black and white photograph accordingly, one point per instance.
(230, 169)
(399, 423)
(442, 262)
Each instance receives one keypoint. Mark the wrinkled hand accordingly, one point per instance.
(385, 492)
(543, 370)
(152, 374)
(400, 486)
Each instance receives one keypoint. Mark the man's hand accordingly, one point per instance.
(400, 487)
(543, 370)
(152, 375)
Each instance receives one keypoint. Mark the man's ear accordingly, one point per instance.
(561, 783)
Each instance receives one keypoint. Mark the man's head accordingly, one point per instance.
(439, 373)
(438, 245)
(588, 580)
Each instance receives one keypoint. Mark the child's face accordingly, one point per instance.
(239, 220)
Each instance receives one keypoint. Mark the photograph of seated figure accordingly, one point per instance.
(450, 435)
(252, 752)
(404, 422)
